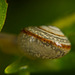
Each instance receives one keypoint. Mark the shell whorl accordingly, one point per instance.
(47, 42)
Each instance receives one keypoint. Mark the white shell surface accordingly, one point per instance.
(52, 29)
(46, 42)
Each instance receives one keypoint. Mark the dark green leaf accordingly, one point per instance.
(3, 11)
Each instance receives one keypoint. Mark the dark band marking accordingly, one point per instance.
(65, 47)
(51, 32)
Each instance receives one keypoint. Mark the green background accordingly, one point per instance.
(60, 13)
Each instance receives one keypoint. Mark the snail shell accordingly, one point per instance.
(46, 42)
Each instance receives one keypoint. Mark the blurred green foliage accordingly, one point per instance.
(3, 10)
(20, 14)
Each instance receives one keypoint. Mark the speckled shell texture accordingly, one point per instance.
(46, 42)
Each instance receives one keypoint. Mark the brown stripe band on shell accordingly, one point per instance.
(51, 32)
(65, 47)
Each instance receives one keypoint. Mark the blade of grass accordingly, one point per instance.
(3, 10)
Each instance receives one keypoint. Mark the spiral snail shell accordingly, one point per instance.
(46, 42)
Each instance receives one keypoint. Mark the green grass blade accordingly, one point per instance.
(3, 10)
